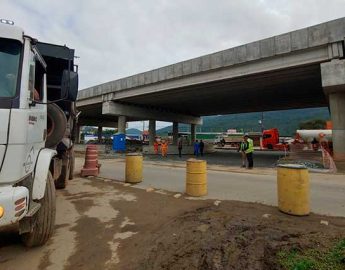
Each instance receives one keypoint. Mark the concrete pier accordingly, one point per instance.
(192, 133)
(121, 129)
(175, 133)
(152, 132)
(99, 133)
(337, 106)
(333, 82)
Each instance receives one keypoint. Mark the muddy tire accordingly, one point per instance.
(61, 181)
(44, 219)
(56, 125)
(71, 164)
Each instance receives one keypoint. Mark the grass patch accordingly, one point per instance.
(314, 259)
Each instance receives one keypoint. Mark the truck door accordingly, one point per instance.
(10, 55)
(27, 123)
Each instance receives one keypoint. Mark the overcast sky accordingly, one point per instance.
(115, 39)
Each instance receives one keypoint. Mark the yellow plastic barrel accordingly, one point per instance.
(196, 177)
(293, 189)
(134, 168)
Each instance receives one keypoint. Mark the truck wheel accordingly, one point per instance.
(44, 219)
(71, 164)
(56, 125)
(269, 146)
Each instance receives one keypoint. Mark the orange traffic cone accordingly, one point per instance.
(91, 165)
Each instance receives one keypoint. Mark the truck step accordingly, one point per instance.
(34, 207)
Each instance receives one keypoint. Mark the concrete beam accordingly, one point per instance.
(114, 108)
(298, 58)
(91, 100)
(308, 45)
(95, 122)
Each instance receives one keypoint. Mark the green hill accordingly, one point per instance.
(133, 131)
(286, 121)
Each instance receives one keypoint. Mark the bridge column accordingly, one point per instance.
(192, 133)
(121, 125)
(152, 131)
(175, 133)
(99, 133)
(333, 82)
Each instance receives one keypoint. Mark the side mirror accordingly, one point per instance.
(69, 85)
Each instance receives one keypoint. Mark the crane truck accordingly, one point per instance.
(38, 90)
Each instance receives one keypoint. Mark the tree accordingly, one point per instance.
(313, 124)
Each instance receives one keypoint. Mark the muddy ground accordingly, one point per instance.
(233, 235)
(103, 224)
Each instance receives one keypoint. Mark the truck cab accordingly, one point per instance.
(33, 143)
(270, 140)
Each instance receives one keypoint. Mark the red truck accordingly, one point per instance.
(270, 140)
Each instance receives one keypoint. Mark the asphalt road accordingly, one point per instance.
(262, 159)
(233, 183)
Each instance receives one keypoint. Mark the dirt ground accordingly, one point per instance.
(104, 224)
(234, 235)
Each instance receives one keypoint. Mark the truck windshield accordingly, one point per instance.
(10, 51)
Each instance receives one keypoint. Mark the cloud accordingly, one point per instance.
(119, 38)
(115, 39)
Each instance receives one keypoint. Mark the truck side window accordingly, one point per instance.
(39, 80)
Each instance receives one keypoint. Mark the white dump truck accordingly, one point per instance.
(38, 89)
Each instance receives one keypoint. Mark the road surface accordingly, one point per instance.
(233, 183)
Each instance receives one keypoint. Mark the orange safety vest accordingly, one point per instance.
(164, 146)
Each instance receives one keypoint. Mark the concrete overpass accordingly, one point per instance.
(299, 69)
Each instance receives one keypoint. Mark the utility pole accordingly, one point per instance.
(261, 122)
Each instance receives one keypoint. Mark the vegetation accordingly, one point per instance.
(313, 124)
(286, 121)
(314, 259)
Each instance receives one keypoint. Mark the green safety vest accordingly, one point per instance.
(250, 148)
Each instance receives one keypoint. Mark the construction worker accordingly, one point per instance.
(249, 149)
(201, 147)
(242, 148)
(164, 148)
(155, 147)
(196, 148)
